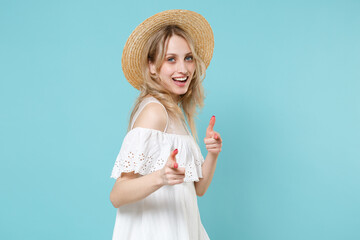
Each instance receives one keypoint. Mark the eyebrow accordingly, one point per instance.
(176, 54)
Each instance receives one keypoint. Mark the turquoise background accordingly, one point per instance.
(283, 84)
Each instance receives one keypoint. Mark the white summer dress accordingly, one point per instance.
(171, 212)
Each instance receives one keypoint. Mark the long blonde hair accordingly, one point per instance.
(154, 52)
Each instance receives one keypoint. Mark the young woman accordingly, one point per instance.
(160, 170)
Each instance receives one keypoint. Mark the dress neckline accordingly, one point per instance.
(158, 131)
(181, 121)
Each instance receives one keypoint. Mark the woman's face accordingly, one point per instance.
(177, 68)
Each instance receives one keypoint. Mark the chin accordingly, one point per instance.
(182, 92)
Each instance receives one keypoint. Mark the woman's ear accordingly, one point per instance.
(152, 68)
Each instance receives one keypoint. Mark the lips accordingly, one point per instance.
(180, 81)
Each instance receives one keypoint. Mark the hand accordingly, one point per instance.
(171, 174)
(213, 141)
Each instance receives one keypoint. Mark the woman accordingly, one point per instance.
(160, 170)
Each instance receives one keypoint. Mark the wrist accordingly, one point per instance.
(159, 180)
(213, 154)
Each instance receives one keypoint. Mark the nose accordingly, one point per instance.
(181, 67)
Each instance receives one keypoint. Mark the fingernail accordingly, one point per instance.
(213, 116)
(216, 136)
(175, 165)
(175, 151)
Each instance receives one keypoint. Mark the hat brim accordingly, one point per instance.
(193, 23)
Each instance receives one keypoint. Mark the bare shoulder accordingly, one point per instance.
(153, 116)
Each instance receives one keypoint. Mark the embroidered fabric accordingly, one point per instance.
(147, 150)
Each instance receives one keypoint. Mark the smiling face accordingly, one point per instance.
(178, 67)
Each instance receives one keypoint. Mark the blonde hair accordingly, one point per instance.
(154, 52)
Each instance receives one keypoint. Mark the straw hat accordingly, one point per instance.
(193, 23)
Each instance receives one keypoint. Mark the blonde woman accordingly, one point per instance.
(160, 170)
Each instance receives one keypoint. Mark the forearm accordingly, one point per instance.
(132, 190)
(208, 170)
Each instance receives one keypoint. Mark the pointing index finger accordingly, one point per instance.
(212, 123)
(173, 154)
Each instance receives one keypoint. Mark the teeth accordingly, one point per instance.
(180, 79)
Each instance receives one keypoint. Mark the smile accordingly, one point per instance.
(181, 82)
(182, 79)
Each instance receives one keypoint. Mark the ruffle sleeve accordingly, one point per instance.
(146, 150)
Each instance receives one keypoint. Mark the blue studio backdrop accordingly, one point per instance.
(283, 84)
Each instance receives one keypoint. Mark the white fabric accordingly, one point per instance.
(146, 150)
(171, 212)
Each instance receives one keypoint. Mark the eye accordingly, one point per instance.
(170, 59)
(189, 58)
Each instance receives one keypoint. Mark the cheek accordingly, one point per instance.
(192, 68)
(166, 70)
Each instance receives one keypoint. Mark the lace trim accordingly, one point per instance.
(135, 156)
(146, 164)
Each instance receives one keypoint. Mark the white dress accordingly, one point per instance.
(171, 212)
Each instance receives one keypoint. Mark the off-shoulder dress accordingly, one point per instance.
(171, 212)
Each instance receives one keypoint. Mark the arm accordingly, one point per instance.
(213, 144)
(208, 170)
(131, 187)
